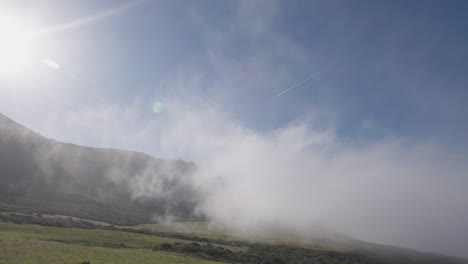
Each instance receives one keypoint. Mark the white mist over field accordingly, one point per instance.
(389, 191)
(301, 177)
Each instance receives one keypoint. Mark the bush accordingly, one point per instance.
(191, 249)
(272, 260)
(215, 252)
(166, 246)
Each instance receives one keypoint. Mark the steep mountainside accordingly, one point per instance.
(35, 168)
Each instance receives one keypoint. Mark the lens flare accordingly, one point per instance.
(157, 107)
(52, 64)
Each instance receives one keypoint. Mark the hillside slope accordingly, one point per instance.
(34, 168)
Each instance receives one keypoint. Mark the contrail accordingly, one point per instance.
(301, 82)
(87, 20)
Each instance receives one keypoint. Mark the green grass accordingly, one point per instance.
(204, 229)
(28, 244)
(58, 216)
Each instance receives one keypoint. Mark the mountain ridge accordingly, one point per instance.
(6, 119)
(33, 166)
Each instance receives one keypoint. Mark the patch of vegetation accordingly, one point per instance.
(93, 212)
(261, 253)
(124, 240)
(31, 244)
(68, 222)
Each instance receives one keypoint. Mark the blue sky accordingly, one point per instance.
(387, 68)
(382, 124)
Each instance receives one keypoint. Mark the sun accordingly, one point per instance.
(16, 45)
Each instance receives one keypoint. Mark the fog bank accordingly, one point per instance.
(301, 177)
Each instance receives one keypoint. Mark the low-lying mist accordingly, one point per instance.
(303, 178)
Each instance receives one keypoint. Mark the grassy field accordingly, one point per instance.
(212, 230)
(27, 244)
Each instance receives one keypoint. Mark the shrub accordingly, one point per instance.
(272, 260)
(191, 249)
(166, 246)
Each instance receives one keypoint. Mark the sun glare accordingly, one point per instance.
(16, 45)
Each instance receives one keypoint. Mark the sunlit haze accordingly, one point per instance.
(16, 43)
